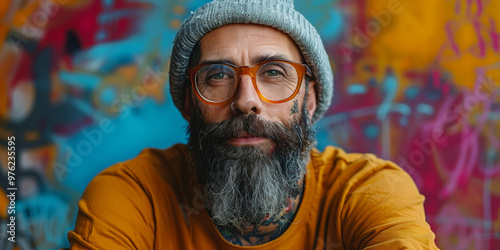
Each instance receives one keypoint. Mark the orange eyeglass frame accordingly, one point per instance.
(241, 70)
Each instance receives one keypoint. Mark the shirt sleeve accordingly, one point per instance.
(114, 213)
(384, 210)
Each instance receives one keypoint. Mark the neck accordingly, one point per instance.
(270, 229)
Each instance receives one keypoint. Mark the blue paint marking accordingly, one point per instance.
(115, 15)
(46, 214)
(401, 108)
(491, 155)
(160, 131)
(356, 89)
(372, 83)
(81, 80)
(108, 95)
(403, 121)
(424, 108)
(494, 116)
(331, 30)
(389, 86)
(108, 3)
(433, 94)
(100, 35)
(372, 131)
(328, 20)
(412, 92)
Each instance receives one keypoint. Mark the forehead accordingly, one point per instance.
(246, 44)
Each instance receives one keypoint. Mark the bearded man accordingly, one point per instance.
(251, 77)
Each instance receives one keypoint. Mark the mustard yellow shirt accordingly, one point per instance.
(351, 201)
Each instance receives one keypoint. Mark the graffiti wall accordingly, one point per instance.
(83, 85)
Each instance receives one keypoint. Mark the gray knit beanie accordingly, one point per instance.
(279, 14)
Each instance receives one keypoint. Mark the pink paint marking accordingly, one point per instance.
(454, 223)
(449, 35)
(469, 152)
(473, 150)
(435, 78)
(469, 3)
(457, 7)
(483, 118)
(479, 8)
(490, 171)
(481, 42)
(440, 121)
(460, 164)
(494, 36)
(446, 89)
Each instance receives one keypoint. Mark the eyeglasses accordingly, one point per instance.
(274, 81)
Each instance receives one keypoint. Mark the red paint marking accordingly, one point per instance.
(72, 128)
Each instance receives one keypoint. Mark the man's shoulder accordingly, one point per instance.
(337, 158)
(375, 201)
(342, 168)
(153, 168)
(155, 158)
(173, 155)
(330, 154)
(127, 198)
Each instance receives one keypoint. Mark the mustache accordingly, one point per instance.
(252, 125)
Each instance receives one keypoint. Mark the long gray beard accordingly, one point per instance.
(244, 184)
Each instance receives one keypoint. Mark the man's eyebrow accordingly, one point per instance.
(220, 61)
(269, 57)
(254, 61)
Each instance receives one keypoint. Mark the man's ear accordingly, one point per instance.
(311, 98)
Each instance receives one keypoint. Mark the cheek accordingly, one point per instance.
(283, 112)
(286, 112)
(213, 113)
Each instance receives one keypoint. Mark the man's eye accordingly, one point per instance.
(273, 73)
(218, 76)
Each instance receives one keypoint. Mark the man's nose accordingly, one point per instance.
(247, 99)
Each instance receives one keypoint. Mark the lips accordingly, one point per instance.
(246, 139)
